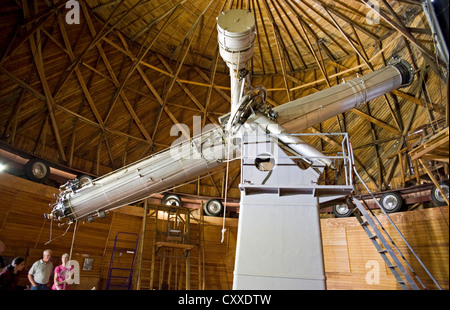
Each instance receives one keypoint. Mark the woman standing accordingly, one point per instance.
(62, 274)
(9, 277)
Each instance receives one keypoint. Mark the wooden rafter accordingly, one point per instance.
(210, 89)
(137, 60)
(188, 92)
(280, 48)
(116, 81)
(400, 27)
(348, 20)
(311, 49)
(38, 59)
(97, 38)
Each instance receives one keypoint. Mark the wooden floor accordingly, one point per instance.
(351, 261)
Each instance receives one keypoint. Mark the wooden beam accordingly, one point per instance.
(172, 83)
(435, 182)
(97, 38)
(137, 60)
(272, 58)
(318, 25)
(376, 121)
(348, 38)
(23, 84)
(279, 44)
(210, 89)
(155, 20)
(114, 78)
(188, 92)
(418, 101)
(38, 60)
(311, 49)
(286, 17)
(348, 20)
(400, 27)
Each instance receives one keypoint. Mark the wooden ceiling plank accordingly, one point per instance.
(6, 48)
(376, 121)
(361, 14)
(325, 138)
(95, 124)
(130, 126)
(258, 39)
(348, 20)
(192, 31)
(377, 151)
(210, 89)
(318, 25)
(187, 91)
(145, 15)
(158, 98)
(9, 133)
(371, 124)
(233, 179)
(363, 57)
(311, 49)
(42, 136)
(218, 88)
(293, 26)
(53, 9)
(400, 145)
(96, 39)
(282, 18)
(78, 72)
(360, 164)
(155, 21)
(137, 60)
(210, 82)
(38, 60)
(279, 45)
(348, 39)
(30, 27)
(23, 84)
(400, 27)
(266, 37)
(115, 80)
(393, 165)
(172, 82)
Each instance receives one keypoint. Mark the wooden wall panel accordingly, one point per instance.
(348, 254)
(349, 260)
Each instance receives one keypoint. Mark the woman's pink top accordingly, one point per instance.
(62, 273)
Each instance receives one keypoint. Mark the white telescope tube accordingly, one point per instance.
(300, 114)
(294, 142)
(135, 182)
(184, 162)
(236, 37)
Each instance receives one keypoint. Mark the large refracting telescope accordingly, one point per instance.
(185, 162)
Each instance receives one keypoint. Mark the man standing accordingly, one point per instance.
(39, 273)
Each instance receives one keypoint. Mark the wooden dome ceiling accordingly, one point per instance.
(107, 91)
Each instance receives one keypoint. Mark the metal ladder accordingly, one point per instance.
(127, 280)
(385, 245)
